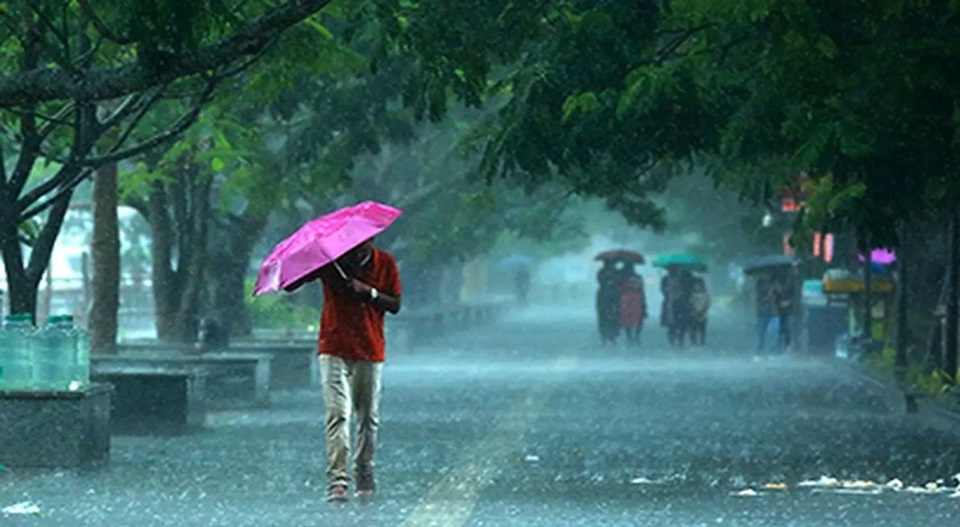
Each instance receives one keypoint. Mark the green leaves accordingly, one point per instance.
(583, 103)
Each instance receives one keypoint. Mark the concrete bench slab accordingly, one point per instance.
(293, 365)
(153, 402)
(230, 380)
(55, 429)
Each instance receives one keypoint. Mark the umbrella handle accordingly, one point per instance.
(336, 264)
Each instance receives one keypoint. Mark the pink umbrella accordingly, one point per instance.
(320, 242)
(881, 256)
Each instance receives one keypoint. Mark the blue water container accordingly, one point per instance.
(80, 375)
(16, 354)
(54, 354)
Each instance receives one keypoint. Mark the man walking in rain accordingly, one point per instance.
(358, 289)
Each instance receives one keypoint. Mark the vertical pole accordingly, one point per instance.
(953, 309)
(903, 306)
(867, 293)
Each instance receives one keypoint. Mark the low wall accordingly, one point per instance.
(55, 429)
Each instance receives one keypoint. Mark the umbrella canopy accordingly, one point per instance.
(621, 255)
(768, 262)
(688, 261)
(321, 241)
(881, 256)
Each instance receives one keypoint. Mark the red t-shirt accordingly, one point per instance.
(351, 328)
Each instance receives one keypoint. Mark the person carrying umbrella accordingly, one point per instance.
(633, 303)
(675, 314)
(768, 296)
(351, 358)
(699, 308)
(677, 286)
(360, 284)
(608, 301)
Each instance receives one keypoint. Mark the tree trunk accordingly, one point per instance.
(952, 307)
(21, 300)
(179, 216)
(191, 208)
(166, 287)
(23, 277)
(227, 271)
(105, 250)
(187, 319)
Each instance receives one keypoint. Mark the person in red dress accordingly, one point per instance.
(633, 303)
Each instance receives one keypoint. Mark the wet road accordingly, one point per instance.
(529, 423)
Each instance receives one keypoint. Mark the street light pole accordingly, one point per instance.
(953, 309)
(867, 293)
(903, 307)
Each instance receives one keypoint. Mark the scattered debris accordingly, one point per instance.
(646, 481)
(858, 485)
(24, 507)
(867, 487)
(823, 482)
(775, 486)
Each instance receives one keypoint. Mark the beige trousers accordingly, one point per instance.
(350, 387)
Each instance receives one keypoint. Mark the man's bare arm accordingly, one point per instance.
(383, 302)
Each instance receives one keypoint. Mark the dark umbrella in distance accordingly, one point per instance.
(621, 255)
(769, 262)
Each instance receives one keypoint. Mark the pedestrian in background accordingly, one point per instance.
(699, 308)
(608, 302)
(633, 303)
(768, 292)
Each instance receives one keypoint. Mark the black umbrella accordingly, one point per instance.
(768, 262)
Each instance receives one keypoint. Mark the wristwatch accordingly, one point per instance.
(374, 294)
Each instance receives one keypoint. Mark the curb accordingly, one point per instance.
(923, 405)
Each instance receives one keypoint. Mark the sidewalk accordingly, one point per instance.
(944, 409)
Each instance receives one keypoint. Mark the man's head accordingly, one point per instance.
(359, 253)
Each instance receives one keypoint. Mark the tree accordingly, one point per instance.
(80, 76)
(302, 119)
(854, 94)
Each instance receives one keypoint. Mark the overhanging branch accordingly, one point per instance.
(64, 191)
(181, 125)
(44, 84)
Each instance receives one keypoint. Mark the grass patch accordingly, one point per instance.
(931, 381)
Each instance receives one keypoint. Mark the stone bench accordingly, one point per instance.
(293, 366)
(230, 380)
(293, 363)
(55, 429)
(153, 401)
(237, 379)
